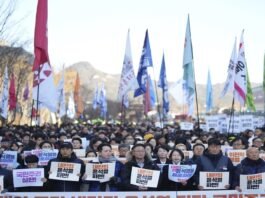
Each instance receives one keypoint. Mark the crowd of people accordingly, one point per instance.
(143, 146)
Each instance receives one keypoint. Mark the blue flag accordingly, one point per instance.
(146, 61)
(152, 92)
(209, 93)
(103, 102)
(164, 86)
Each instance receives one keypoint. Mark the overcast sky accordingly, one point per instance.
(95, 31)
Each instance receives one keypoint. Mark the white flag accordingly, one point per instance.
(229, 83)
(71, 107)
(61, 97)
(176, 90)
(240, 84)
(5, 95)
(128, 80)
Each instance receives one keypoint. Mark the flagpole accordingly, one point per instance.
(157, 98)
(196, 97)
(232, 116)
(31, 116)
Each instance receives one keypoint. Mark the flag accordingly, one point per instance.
(149, 96)
(209, 93)
(128, 80)
(71, 107)
(162, 83)
(145, 61)
(249, 98)
(229, 83)
(264, 74)
(61, 97)
(77, 97)
(43, 85)
(240, 84)
(188, 74)
(4, 98)
(96, 98)
(176, 90)
(103, 102)
(12, 94)
(26, 92)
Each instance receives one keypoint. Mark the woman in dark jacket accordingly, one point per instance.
(66, 155)
(252, 164)
(176, 156)
(139, 159)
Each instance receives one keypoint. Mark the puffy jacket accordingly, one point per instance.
(114, 183)
(214, 163)
(127, 170)
(248, 167)
(65, 186)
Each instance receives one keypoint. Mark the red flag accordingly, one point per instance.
(12, 94)
(147, 102)
(43, 85)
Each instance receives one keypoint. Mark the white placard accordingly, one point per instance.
(252, 182)
(100, 172)
(212, 122)
(80, 152)
(9, 159)
(214, 180)
(144, 177)
(28, 177)
(247, 122)
(65, 171)
(2, 187)
(236, 156)
(186, 126)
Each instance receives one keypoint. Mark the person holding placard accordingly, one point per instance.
(252, 164)
(213, 160)
(138, 158)
(59, 180)
(7, 180)
(177, 158)
(98, 182)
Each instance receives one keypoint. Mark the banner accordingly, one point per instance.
(246, 122)
(152, 194)
(186, 126)
(44, 155)
(65, 171)
(100, 172)
(2, 187)
(177, 173)
(236, 156)
(252, 182)
(214, 180)
(144, 177)
(28, 177)
(9, 159)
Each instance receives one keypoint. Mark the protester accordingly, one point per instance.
(66, 155)
(140, 159)
(213, 160)
(123, 149)
(105, 156)
(252, 164)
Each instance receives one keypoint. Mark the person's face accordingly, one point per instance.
(253, 153)
(162, 141)
(129, 140)
(181, 147)
(62, 138)
(14, 147)
(25, 140)
(66, 152)
(162, 153)
(52, 140)
(258, 143)
(39, 140)
(95, 146)
(76, 144)
(238, 145)
(214, 149)
(46, 146)
(32, 165)
(258, 132)
(90, 154)
(123, 151)
(106, 152)
(176, 157)
(139, 152)
(198, 150)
